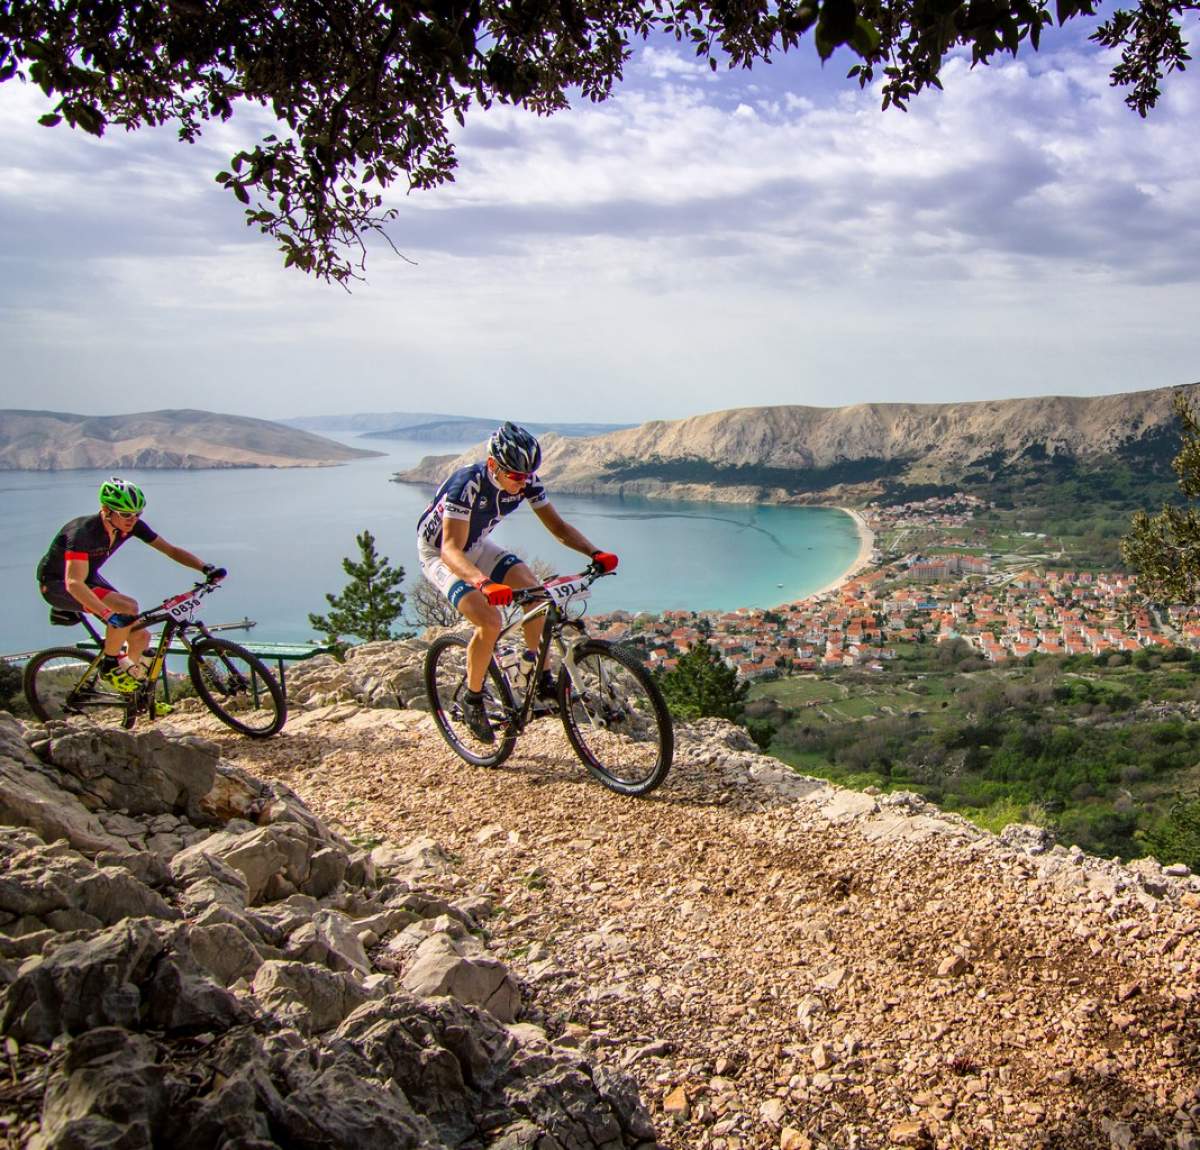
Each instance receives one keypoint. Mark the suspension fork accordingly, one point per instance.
(569, 652)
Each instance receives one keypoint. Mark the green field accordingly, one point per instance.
(1105, 756)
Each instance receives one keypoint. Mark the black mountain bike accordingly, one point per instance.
(233, 683)
(613, 712)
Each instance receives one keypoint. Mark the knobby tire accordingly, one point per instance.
(445, 682)
(225, 677)
(51, 674)
(615, 718)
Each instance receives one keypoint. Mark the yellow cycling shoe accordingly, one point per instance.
(120, 679)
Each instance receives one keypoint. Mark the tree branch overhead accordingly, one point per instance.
(365, 91)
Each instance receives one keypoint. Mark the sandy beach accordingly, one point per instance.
(866, 544)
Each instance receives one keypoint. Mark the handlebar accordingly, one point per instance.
(204, 587)
(538, 594)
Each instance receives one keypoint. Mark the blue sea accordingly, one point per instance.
(282, 533)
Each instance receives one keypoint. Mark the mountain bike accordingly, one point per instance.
(613, 712)
(233, 684)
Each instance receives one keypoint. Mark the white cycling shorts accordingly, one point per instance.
(493, 561)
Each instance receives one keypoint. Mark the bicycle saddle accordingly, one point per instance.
(61, 617)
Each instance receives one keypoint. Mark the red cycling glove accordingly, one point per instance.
(605, 560)
(497, 594)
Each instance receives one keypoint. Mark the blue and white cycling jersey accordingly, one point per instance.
(470, 494)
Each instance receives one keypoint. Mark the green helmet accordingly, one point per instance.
(121, 495)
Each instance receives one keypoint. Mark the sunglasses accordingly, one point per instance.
(124, 514)
(515, 476)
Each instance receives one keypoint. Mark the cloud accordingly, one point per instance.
(670, 64)
(1020, 232)
(1018, 167)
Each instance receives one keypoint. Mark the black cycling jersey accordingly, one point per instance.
(471, 494)
(86, 538)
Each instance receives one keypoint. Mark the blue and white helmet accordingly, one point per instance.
(514, 448)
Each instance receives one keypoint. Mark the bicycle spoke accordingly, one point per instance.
(237, 687)
(616, 719)
(58, 684)
(445, 684)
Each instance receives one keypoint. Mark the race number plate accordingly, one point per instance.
(562, 591)
(183, 608)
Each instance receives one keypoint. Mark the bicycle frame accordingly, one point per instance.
(175, 613)
(552, 630)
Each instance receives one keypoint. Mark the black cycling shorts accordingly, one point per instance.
(56, 594)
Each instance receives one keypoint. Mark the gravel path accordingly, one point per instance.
(778, 974)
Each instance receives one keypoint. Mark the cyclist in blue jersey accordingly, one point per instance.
(69, 574)
(475, 574)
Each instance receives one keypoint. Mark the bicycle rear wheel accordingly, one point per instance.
(237, 687)
(615, 717)
(59, 683)
(445, 682)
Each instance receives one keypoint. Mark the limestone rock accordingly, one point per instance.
(201, 1032)
(108, 1090)
(143, 773)
(270, 859)
(1031, 839)
(310, 997)
(382, 674)
(441, 968)
(28, 798)
(81, 984)
(331, 939)
(223, 951)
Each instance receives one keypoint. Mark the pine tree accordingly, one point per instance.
(701, 684)
(1164, 549)
(370, 603)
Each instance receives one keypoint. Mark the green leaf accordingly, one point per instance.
(865, 38)
(50, 120)
(835, 25)
(241, 193)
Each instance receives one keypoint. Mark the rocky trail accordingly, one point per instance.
(782, 964)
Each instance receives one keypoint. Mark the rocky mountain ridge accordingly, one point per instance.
(776, 963)
(59, 441)
(811, 454)
(433, 427)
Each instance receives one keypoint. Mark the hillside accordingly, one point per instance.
(434, 428)
(57, 441)
(779, 964)
(865, 451)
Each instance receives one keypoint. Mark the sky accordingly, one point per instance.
(699, 242)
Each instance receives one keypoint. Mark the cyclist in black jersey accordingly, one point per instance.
(69, 574)
(472, 572)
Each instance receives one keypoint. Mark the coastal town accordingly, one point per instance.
(1006, 606)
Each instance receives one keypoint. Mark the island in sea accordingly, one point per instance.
(60, 441)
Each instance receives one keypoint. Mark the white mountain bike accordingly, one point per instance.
(612, 710)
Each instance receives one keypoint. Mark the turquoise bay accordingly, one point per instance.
(283, 533)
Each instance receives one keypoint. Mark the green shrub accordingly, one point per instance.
(1176, 836)
(10, 684)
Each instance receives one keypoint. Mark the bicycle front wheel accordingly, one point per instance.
(616, 718)
(445, 682)
(237, 687)
(60, 682)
